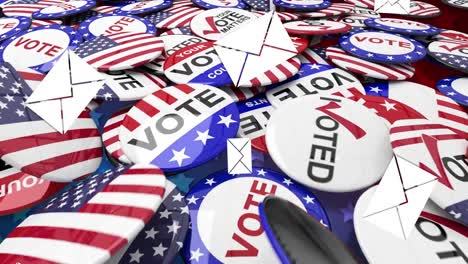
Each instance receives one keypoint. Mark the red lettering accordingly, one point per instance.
(242, 227)
(353, 128)
(8, 25)
(211, 23)
(375, 40)
(360, 39)
(53, 51)
(454, 48)
(21, 41)
(248, 251)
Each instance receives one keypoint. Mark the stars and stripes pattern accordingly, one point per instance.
(26, 7)
(314, 56)
(454, 58)
(178, 31)
(90, 222)
(423, 9)
(155, 66)
(179, 15)
(119, 51)
(362, 3)
(260, 5)
(110, 136)
(38, 23)
(370, 69)
(284, 16)
(32, 145)
(163, 236)
(280, 73)
(239, 94)
(108, 10)
(452, 114)
(32, 77)
(335, 9)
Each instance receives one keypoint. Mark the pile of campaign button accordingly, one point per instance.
(402, 26)
(419, 9)
(453, 54)
(312, 27)
(144, 7)
(335, 9)
(175, 16)
(306, 5)
(108, 24)
(10, 26)
(40, 47)
(340, 127)
(455, 88)
(232, 202)
(64, 9)
(179, 127)
(354, 21)
(210, 4)
(314, 79)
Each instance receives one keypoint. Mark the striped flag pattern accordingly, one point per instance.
(239, 94)
(179, 15)
(335, 9)
(120, 51)
(38, 23)
(29, 143)
(362, 3)
(90, 222)
(110, 136)
(284, 16)
(108, 10)
(178, 31)
(26, 8)
(314, 56)
(422, 9)
(280, 73)
(452, 114)
(370, 69)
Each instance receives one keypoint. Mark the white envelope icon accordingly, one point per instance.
(392, 6)
(255, 48)
(400, 197)
(239, 155)
(65, 91)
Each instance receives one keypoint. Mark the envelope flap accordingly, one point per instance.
(233, 61)
(277, 35)
(250, 37)
(81, 71)
(239, 143)
(412, 175)
(50, 111)
(56, 84)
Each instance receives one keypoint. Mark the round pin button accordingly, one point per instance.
(419, 9)
(120, 51)
(455, 88)
(179, 127)
(144, 7)
(314, 79)
(451, 35)
(232, 202)
(175, 16)
(239, 94)
(64, 9)
(210, 4)
(453, 54)
(110, 136)
(361, 3)
(10, 26)
(382, 47)
(40, 47)
(402, 26)
(214, 23)
(336, 9)
(307, 5)
(108, 24)
(330, 141)
(356, 22)
(312, 27)
(362, 11)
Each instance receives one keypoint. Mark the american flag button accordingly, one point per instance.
(366, 68)
(27, 7)
(143, 7)
(38, 48)
(163, 236)
(330, 142)
(120, 51)
(402, 26)
(455, 87)
(239, 94)
(313, 27)
(180, 14)
(314, 79)
(110, 136)
(448, 34)
(30, 144)
(19, 190)
(254, 115)
(179, 127)
(336, 9)
(232, 202)
(451, 53)
(109, 24)
(64, 9)
(196, 63)
(298, 5)
(262, 5)
(440, 151)
(211, 4)
(431, 104)
(90, 222)
(420, 9)
(10, 26)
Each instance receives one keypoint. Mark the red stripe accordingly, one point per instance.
(141, 61)
(107, 242)
(417, 140)
(177, 17)
(255, 82)
(152, 171)
(130, 123)
(111, 140)
(185, 88)
(106, 54)
(271, 76)
(459, 228)
(117, 154)
(449, 105)
(163, 95)
(155, 190)
(453, 118)
(135, 39)
(22, 143)
(31, 76)
(158, 81)
(14, 259)
(44, 166)
(284, 70)
(146, 108)
(416, 127)
(121, 35)
(239, 94)
(118, 210)
(112, 126)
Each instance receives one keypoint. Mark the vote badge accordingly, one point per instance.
(360, 10)
(225, 218)
(214, 23)
(254, 115)
(10, 26)
(179, 127)
(455, 88)
(144, 7)
(38, 48)
(110, 137)
(420, 9)
(129, 85)
(313, 27)
(434, 240)
(176, 16)
(440, 151)
(210, 4)
(19, 190)
(453, 54)
(322, 143)
(382, 47)
(302, 5)
(30, 144)
(402, 26)
(108, 24)
(314, 79)
(451, 35)
(356, 22)
(64, 9)
(196, 63)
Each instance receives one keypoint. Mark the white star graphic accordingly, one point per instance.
(135, 256)
(261, 172)
(287, 181)
(192, 200)
(203, 136)
(309, 199)
(178, 197)
(9, 98)
(174, 227)
(159, 250)
(3, 105)
(165, 214)
(389, 106)
(151, 233)
(210, 181)
(195, 254)
(19, 112)
(179, 156)
(375, 89)
(315, 66)
(184, 210)
(226, 120)
(107, 96)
